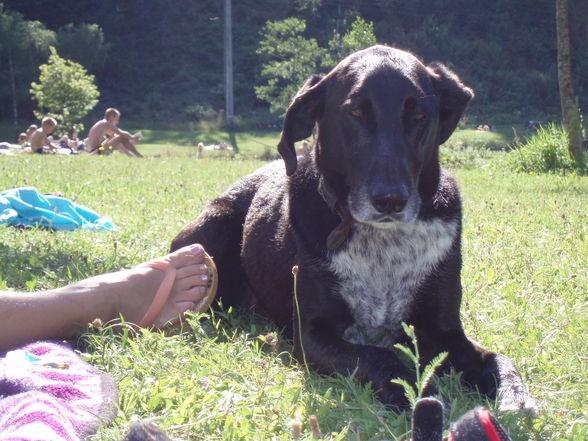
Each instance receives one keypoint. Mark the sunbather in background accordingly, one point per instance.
(40, 142)
(105, 136)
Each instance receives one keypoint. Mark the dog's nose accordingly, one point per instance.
(390, 202)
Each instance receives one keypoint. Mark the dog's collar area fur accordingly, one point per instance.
(341, 231)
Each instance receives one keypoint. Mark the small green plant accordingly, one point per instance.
(295, 270)
(423, 379)
(544, 152)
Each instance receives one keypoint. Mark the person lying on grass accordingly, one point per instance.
(22, 139)
(151, 294)
(105, 136)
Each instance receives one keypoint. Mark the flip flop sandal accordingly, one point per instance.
(165, 288)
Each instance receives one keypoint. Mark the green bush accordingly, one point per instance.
(65, 91)
(544, 152)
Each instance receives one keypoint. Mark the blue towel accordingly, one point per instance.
(27, 207)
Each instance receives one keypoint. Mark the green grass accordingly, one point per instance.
(468, 148)
(166, 142)
(230, 376)
(465, 142)
(472, 138)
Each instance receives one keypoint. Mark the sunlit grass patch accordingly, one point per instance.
(230, 376)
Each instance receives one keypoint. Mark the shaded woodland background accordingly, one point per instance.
(161, 61)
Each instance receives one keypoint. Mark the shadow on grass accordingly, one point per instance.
(184, 137)
(37, 266)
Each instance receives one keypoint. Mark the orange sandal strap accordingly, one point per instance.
(162, 293)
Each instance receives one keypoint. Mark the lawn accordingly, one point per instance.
(169, 142)
(230, 376)
(258, 144)
(249, 144)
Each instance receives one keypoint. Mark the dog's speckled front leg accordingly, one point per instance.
(510, 390)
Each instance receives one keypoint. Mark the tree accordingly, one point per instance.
(569, 107)
(166, 66)
(22, 44)
(360, 36)
(290, 59)
(83, 43)
(65, 91)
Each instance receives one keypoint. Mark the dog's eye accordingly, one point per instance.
(419, 116)
(358, 113)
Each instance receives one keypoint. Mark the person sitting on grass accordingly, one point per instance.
(105, 136)
(71, 142)
(31, 129)
(40, 142)
(151, 294)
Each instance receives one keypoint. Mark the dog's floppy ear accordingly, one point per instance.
(300, 118)
(453, 98)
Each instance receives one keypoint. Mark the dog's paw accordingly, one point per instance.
(427, 420)
(511, 392)
(514, 398)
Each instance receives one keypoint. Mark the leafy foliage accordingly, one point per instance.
(23, 44)
(544, 152)
(360, 36)
(291, 59)
(165, 58)
(83, 43)
(65, 91)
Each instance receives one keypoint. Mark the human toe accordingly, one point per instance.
(197, 269)
(187, 255)
(193, 250)
(186, 283)
(194, 294)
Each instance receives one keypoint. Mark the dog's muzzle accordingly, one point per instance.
(383, 210)
(389, 200)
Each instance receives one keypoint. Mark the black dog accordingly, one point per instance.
(371, 220)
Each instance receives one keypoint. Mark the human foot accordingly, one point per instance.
(161, 290)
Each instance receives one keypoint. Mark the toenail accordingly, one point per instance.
(197, 250)
(203, 268)
(202, 290)
(204, 277)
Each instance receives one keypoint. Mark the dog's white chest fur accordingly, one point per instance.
(380, 271)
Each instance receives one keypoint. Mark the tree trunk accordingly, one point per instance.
(569, 107)
(13, 89)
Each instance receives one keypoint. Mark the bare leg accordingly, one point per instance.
(130, 146)
(125, 145)
(60, 313)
